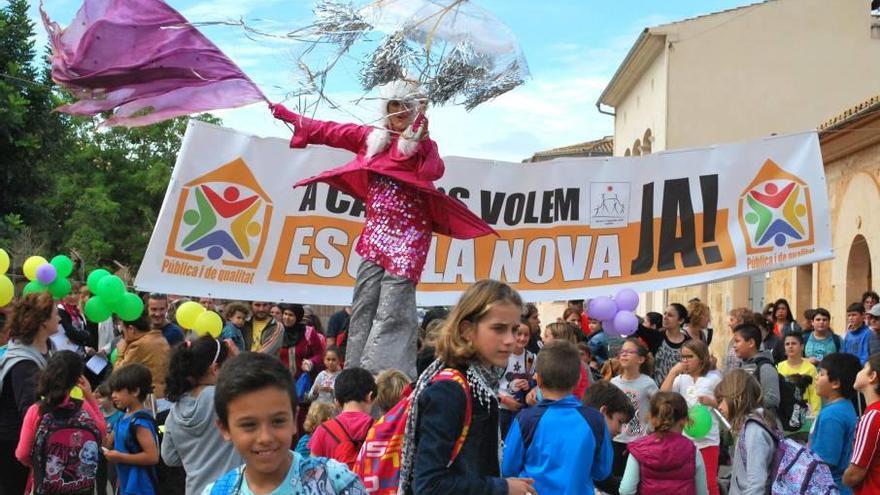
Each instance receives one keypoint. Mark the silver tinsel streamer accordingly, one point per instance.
(389, 62)
(496, 86)
(339, 23)
(458, 70)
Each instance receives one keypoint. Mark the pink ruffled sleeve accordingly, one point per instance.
(91, 407)
(311, 131)
(431, 166)
(28, 432)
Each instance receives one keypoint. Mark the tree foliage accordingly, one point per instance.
(68, 184)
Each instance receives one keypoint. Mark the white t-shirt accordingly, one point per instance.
(518, 366)
(705, 387)
(639, 392)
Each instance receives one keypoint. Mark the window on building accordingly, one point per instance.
(637, 148)
(875, 19)
(627, 152)
(647, 142)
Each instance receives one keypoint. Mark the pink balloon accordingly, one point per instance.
(602, 308)
(627, 300)
(46, 274)
(626, 323)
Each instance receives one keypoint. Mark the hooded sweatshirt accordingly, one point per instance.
(18, 382)
(192, 440)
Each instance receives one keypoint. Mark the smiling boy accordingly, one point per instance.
(255, 407)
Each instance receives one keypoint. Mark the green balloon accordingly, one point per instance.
(94, 278)
(63, 265)
(701, 422)
(96, 310)
(113, 356)
(33, 287)
(111, 288)
(131, 308)
(60, 287)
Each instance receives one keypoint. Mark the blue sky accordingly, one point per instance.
(573, 48)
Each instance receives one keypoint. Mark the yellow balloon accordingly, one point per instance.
(7, 290)
(187, 314)
(30, 266)
(209, 323)
(4, 261)
(77, 393)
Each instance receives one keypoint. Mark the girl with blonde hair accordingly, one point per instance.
(474, 346)
(740, 399)
(695, 380)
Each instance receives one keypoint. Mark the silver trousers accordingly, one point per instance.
(383, 332)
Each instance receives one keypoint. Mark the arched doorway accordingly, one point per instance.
(858, 269)
(647, 142)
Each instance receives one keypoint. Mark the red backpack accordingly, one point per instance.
(378, 462)
(66, 451)
(346, 450)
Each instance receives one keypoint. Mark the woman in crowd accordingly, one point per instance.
(33, 320)
(783, 320)
(666, 342)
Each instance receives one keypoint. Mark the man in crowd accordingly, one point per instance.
(262, 333)
(157, 308)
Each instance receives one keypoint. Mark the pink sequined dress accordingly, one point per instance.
(397, 232)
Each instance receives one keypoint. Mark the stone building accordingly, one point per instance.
(851, 152)
(774, 67)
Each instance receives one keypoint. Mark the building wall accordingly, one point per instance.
(643, 108)
(854, 197)
(778, 67)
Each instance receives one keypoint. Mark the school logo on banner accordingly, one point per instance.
(775, 211)
(222, 216)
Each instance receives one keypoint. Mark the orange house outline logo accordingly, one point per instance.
(223, 216)
(775, 211)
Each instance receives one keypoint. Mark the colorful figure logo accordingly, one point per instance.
(775, 211)
(223, 215)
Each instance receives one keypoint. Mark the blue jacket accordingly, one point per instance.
(233, 333)
(858, 342)
(561, 444)
(172, 333)
(441, 417)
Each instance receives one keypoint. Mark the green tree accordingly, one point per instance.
(66, 183)
(29, 131)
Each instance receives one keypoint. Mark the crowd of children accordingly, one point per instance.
(487, 415)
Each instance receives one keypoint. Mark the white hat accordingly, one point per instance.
(411, 94)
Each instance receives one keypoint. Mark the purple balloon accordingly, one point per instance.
(626, 323)
(627, 300)
(46, 274)
(602, 308)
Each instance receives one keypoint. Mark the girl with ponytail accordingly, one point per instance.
(192, 439)
(665, 461)
(66, 405)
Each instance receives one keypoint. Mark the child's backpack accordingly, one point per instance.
(67, 446)
(347, 448)
(795, 470)
(378, 462)
(789, 412)
(134, 447)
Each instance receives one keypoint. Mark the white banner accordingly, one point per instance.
(232, 226)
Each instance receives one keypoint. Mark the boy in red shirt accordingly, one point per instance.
(863, 473)
(340, 438)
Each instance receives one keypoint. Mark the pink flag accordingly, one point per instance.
(144, 61)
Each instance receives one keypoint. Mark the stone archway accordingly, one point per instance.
(858, 269)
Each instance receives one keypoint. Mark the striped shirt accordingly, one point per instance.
(866, 451)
